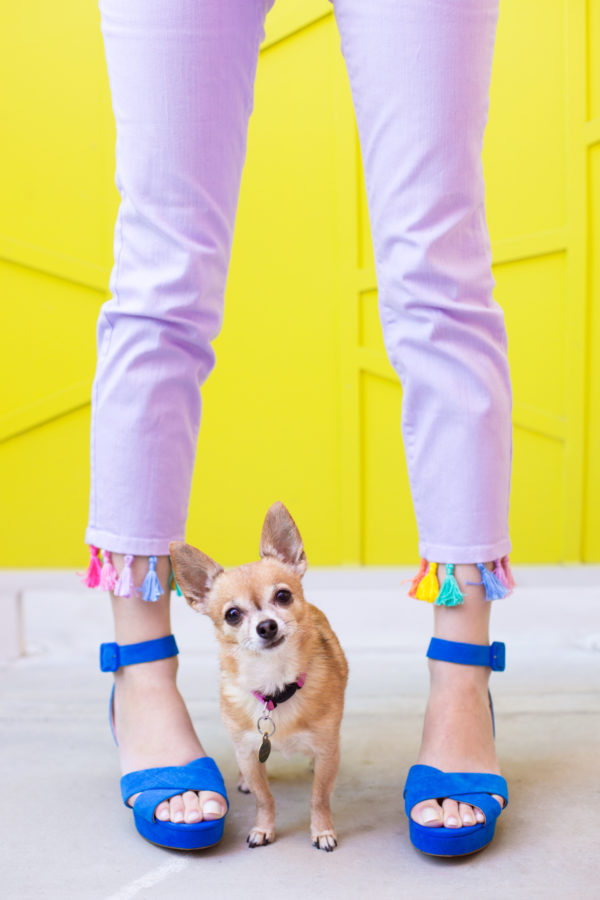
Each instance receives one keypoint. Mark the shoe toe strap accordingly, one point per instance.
(483, 801)
(156, 785)
(426, 782)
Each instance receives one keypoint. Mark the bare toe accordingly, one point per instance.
(466, 813)
(176, 809)
(191, 807)
(213, 805)
(162, 811)
(451, 815)
(428, 812)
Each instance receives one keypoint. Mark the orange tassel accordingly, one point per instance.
(412, 592)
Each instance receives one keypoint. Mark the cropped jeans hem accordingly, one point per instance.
(136, 546)
(479, 553)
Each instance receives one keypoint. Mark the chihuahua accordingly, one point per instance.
(283, 672)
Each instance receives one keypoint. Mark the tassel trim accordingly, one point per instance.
(412, 591)
(91, 578)
(102, 574)
(108, 575)
(173, 584)
(500, 573)
(493, 587)
(450, 594)
(124, 586)
(425, 585)
(151, 588)
(429, 586)
(507, 573)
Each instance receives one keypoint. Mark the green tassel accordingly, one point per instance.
(449, 594)
(175, 585)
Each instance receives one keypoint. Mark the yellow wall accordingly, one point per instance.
(303, 405)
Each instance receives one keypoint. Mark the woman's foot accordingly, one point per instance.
(154, 729)
(457, 737)
(458, 734)
(152, 724)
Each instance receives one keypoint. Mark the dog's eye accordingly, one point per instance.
(283, 596)
(233, 616)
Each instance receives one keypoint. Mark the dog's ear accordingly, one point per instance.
(280, 538)
(195, 573)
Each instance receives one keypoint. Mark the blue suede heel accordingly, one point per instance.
(426, 782)
(156, 785)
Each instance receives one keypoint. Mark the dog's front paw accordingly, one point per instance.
(325, 840)
(260, 838)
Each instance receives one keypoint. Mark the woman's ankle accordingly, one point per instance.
(470, 621)
(456, 678)
(148, 674)
(138, 620)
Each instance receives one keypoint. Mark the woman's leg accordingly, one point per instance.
(420, 72)
(182, 77)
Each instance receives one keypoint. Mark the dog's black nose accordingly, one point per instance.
(267, 629)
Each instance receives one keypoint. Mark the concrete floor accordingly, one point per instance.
(64, 833)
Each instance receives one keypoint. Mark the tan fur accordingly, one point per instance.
(309, 722)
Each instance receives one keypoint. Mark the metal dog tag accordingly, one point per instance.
(264, 749)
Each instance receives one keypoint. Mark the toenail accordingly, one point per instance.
(452, 821)
(479, 816)
(177, 817)
(211, 806)
(429, 815)
(193, 816)
(162, 814)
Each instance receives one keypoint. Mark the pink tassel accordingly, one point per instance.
(124, 586)
(92, 577)
(500, 573)
(508, 574)
(108, 575)
(412, 591)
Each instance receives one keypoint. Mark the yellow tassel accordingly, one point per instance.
(429, 586)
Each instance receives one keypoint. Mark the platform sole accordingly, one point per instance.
(199, 836)
(451, 842)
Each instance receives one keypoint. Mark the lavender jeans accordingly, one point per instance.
(182, 76)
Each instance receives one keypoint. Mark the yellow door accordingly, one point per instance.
(303, 405)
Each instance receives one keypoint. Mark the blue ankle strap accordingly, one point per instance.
(113, 656)
(493, 656)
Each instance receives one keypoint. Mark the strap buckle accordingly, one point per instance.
(498, 656)
(109, 657)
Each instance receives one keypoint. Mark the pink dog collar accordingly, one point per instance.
(273, 700)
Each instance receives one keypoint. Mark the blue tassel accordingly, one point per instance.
(494, 589)
(449, 594)
(151, 588)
